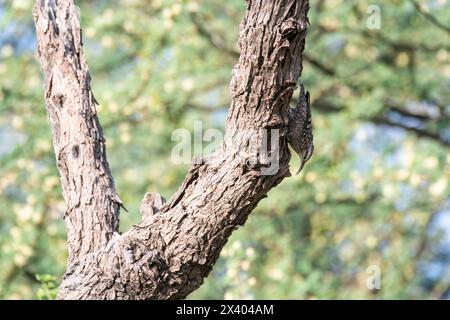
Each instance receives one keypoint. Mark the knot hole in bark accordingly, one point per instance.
(58, 100)
(291, 28)
(75, 151)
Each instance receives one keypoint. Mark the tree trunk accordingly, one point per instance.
(168, 254)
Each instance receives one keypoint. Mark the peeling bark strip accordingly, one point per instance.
(168, 254)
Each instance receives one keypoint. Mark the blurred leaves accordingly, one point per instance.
(49, 287)
(380, 171)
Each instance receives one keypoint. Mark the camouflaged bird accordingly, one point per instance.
(300, 135)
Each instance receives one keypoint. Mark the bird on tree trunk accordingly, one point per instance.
(300, 135)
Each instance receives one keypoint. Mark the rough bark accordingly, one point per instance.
(92, 213)
(173, 249)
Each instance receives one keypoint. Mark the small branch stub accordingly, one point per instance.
(151, 204)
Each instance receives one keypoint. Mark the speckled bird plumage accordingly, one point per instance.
(300, 135)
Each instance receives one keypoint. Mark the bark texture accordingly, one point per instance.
(168, 254)
(92, 214)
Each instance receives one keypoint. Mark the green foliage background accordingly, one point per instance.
(369, 196)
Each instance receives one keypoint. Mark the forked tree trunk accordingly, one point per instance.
(168, 254)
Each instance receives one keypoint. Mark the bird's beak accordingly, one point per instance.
(301, 167)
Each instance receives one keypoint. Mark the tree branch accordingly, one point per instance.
(419, 132)
(218, 43)
(327, 70)
(92, 214)
(169, 253)
(213, 39)
(325, 106)
(430, 17)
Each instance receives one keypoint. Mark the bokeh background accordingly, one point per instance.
(376, 192)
